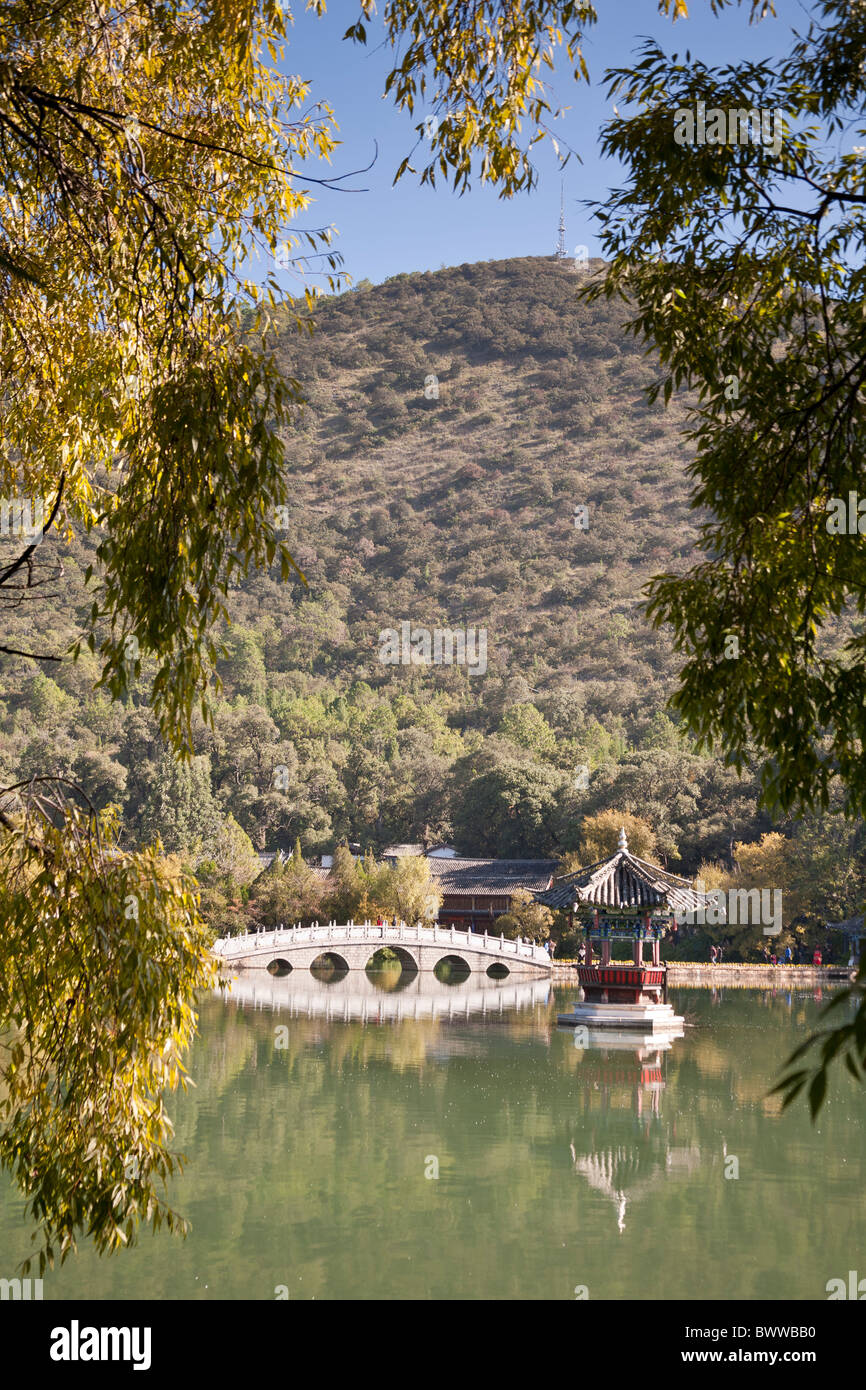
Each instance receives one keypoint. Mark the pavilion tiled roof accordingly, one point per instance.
(494, 877)
(622, 881)
(852, 926)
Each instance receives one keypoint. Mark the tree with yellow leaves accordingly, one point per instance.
(600, 833)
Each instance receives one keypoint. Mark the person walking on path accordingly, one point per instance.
(713, 955)
(816, 959)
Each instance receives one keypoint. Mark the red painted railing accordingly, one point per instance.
(613, 975)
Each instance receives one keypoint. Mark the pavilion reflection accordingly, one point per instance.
(624, 1146)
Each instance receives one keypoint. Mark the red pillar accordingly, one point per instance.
(592, 934)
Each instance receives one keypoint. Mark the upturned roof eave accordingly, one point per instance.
(658, 888)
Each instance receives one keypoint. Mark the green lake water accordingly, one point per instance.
(320, 1110)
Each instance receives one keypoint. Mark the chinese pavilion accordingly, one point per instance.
(622, 899)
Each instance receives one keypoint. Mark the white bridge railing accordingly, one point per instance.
(232, 947)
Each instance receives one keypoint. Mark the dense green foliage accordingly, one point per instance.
(293, 891)
(743, 260)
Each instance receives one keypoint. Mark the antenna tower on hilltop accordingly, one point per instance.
(561, 254)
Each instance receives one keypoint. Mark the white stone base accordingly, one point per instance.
(648, 1018)
(643, 1044)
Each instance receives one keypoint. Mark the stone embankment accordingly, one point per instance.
(734, 974)
(754, 976)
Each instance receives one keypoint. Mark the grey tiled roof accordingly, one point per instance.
(852, 926)
(471, 877)
(622, 881)
(497, 877)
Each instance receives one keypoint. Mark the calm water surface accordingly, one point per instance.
(319, 1108)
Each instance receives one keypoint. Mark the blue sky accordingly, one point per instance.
(385, 229)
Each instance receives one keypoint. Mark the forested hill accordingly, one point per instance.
(461, 509)
(455, 511)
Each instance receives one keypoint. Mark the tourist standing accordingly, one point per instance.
(816, 958)
(713, 955)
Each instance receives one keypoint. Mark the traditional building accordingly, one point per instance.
(622, 898)
(477, 891)
(474, 891)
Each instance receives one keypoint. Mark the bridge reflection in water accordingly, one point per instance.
(355, 995)
(622, 1142)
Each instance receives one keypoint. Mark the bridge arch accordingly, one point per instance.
(406, 958)
(498, 970)
(329, 960)
(452, 968)
(280, 966)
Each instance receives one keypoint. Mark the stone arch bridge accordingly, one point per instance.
(352, 945)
